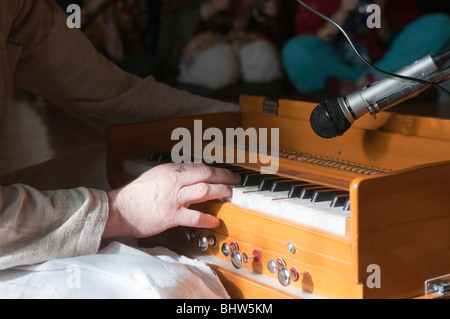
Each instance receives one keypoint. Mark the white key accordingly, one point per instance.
(318, 215)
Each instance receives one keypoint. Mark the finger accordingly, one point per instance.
(188, 166)
(202, 192)
(202, 173)
(193, 218)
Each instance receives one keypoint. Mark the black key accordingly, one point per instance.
(324, 195)
(238, 169)
(254, 179)
(307, 192)
(160, 158)
(221, 165)
(233, 168)
(347, 205)
(153, 157)
(228, 167)
(243, 173)
(283, 185)
(296, 189)
(164, 158)
(339, 200)
(266, 183)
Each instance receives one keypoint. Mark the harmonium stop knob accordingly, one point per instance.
(228, 249)
(285, 275)
(238, 259)
(204, 242)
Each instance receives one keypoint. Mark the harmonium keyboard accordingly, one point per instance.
(364, 215)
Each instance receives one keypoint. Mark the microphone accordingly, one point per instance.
(333, 117)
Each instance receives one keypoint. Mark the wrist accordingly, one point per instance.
(115, 226)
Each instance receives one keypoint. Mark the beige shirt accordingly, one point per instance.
(39, 53)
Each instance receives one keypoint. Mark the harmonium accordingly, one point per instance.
(363, 215)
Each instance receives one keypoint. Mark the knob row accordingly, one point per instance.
(285, 274)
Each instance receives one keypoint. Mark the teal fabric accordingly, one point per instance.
(310, 61)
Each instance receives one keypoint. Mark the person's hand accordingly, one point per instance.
(160, 199)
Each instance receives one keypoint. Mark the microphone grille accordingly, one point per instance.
(328, 121)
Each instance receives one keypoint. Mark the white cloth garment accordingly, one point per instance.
(116, 272)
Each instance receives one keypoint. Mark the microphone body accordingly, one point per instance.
(334, 117)
(389, 91)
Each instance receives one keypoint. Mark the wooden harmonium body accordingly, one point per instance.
(377, 228)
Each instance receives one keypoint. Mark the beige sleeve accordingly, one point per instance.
(39, 226)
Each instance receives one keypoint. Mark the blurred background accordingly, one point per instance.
(225, 48)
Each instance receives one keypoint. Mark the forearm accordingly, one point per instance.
(39, 226)
(145, 100)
